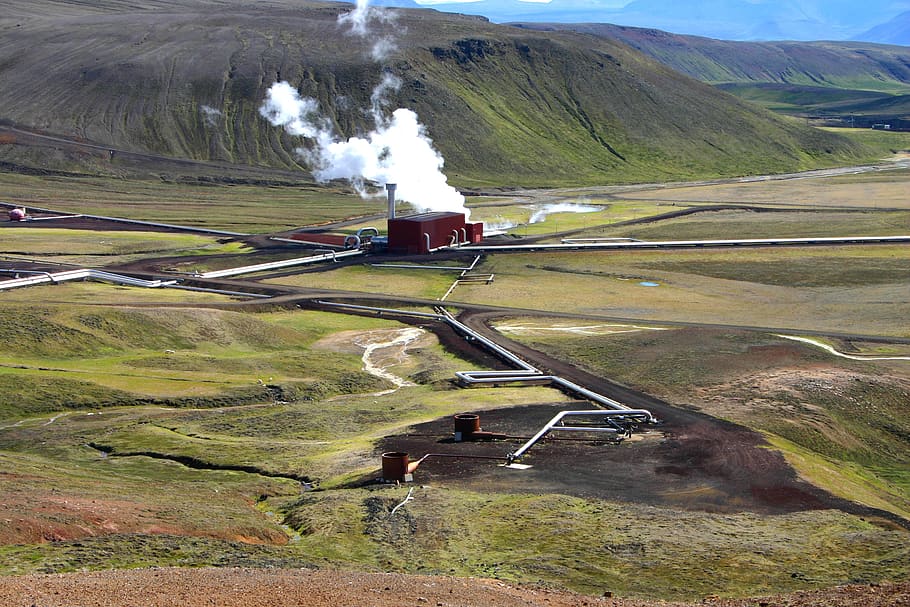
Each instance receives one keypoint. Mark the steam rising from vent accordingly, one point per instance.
(359, 17)
(539, 212)
(359, 20)
(397, 150)
(210, 114)
(379, 98)
(298, 115)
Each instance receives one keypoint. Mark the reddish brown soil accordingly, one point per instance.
(77, 223)
(288, 588)
(690, 461)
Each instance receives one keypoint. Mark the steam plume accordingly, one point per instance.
(359, 19)
(210, 114)
(397, 150)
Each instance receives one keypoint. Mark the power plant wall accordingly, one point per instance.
(422, 233)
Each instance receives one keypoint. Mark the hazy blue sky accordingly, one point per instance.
(725, 19)
(603, 3)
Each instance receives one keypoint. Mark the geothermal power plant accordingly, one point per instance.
(414, 234)
(428, 232)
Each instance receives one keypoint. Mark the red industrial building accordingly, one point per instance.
(426, 232)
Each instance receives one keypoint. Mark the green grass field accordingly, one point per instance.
(819, 289)
(238, 208)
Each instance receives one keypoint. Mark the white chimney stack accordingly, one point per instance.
(390, 188)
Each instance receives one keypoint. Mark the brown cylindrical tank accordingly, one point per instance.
(466, 424)
(395, 467)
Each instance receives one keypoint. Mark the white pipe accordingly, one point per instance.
(677, 244)
(379, 310)
(489, 344)
(449, 291)
(552, 425)
(585, 393)
(82, 274)
(55, 217)
(604, 239)
(404, 266)
(30, 272)
(525, 373)
(142, 223)
(274, 265)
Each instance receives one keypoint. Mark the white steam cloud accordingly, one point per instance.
(359, 19)
(397, 150)
(379, 99)
(210, 114)
(539, 212)
(298, 115)
(382, 48)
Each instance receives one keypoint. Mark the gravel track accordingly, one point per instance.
(229, 587)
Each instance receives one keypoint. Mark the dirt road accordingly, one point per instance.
(231, 587)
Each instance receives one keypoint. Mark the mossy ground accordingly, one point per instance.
(592, 545)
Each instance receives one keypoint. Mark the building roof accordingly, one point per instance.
(432, 216)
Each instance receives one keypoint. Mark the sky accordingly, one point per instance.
(723, 19)
(604, 3)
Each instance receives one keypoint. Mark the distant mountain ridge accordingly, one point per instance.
(896, 31)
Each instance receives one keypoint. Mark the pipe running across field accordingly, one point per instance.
(275, 265)
(82, 274)
(614, 427)
(618, 416)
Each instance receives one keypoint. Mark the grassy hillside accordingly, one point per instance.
(795, 97)
(848, 65)
(867, 82)
(502, 104)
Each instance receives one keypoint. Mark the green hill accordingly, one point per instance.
(846, 65)
(504, 105)
(826, 79)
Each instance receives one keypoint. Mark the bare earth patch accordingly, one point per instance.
(739, 399)
(31, 517)
(36, 516)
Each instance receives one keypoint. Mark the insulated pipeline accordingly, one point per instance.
(640, 415)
